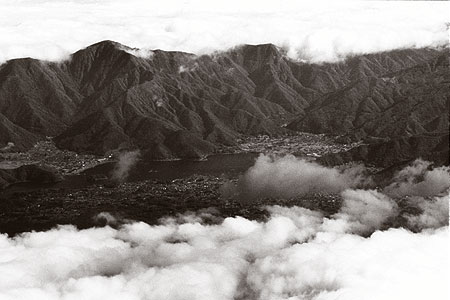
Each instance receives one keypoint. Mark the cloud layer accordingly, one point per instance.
(315, 31)
(295, 253)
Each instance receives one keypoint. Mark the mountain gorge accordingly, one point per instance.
(173, 104)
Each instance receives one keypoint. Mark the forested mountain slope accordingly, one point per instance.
(175, 104)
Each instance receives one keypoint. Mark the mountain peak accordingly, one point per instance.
(107, 44)
(104, 48)
(107, 97)
(261, 50)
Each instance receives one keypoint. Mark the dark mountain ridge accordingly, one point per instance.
(175, 104)
(28, 173)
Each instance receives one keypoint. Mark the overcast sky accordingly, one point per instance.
(325, 31)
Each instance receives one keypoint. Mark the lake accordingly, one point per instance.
(228, 165)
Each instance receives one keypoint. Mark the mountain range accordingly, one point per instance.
(173, 104)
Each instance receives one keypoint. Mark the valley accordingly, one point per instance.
(199, 122)
(178, 105)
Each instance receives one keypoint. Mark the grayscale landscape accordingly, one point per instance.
(281, 156)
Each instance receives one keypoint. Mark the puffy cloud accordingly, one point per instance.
(295, 253)
(315, 31)
(418, 179)
(288, 176)
(289, 256)
(365, 210)
(434, 212)
(362, 211)
(394, 264)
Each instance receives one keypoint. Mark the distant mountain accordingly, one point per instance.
(403, 102)
(393, 151)
(175, 104)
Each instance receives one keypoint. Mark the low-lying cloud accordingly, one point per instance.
(312, 31)
(419, 179)
(127, 160)
(434, 212)
(374, 247)
(289, 176)
(295, 254)
(365, 211)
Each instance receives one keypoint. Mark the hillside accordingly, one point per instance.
(28, 173)
(411, 101)
(401, 150)
(175, 104)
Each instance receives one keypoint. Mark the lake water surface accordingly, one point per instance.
(228, 165)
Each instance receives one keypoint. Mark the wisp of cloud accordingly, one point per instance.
(123, 166)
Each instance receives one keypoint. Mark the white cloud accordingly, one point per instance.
(288, 177)
(317, 31)
(126, 161)
(365, 211)
(289, 255)
(417, 180)
(144, 53)
(296, 253)
(434, 212)
(394, 264)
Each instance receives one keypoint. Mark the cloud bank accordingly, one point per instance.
(288, 177)
(295, 254)
(358, 253)
(313, 31)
